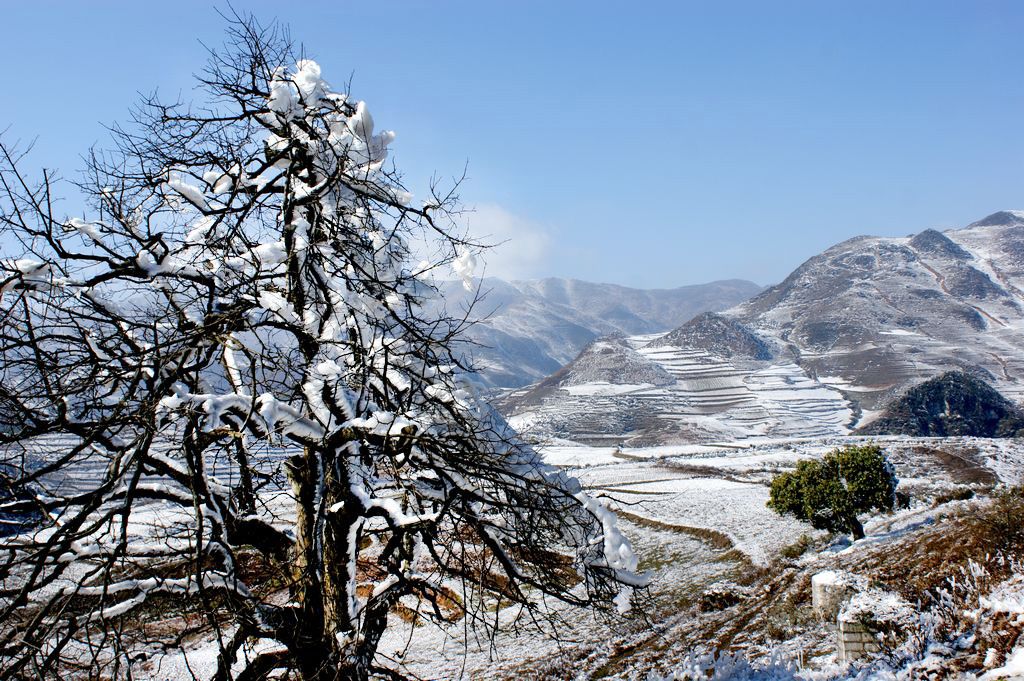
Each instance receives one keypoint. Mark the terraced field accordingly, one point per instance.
(712, 399)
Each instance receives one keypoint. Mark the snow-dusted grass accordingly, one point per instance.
(736, 509)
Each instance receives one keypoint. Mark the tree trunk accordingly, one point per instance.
(856, 529)
(314, 652)
(341, 548)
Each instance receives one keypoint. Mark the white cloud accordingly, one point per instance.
(521, 248)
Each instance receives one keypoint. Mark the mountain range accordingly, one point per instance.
(822, 352)
(526, 330)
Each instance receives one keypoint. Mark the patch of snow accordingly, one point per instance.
(464, 267)
(1012, 669)
(605, 388)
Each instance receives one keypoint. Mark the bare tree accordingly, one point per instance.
(226, 417)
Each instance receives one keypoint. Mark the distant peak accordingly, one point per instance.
(933, 242)
(1004, 218)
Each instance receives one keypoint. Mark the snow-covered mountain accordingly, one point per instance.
(872, 316)
(529, 329)
(819, 353)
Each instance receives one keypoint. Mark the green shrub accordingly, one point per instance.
(829, 494)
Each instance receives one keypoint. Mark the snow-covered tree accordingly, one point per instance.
(227, 420)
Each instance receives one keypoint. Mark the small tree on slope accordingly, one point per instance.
(245, 287)
(831, 493)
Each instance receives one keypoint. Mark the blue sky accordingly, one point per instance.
(647, 144)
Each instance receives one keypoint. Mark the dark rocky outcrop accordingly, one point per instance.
(955, 403)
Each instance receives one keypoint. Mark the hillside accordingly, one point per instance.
(710, 398)
(719, 335)
(873, 316)
(732, 577)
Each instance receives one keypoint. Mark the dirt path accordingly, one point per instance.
(1003, 366)
(962, 467)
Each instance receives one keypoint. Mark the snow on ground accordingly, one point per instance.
(704, 398)
(724, 487)
(1006, 459)
(682, 566)
(602, 388)
(524, 422)
(720, 487)
(575, 455)
(1013, 669)
(736, 509)
(772, 400)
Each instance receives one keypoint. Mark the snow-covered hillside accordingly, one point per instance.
(709, 398)
(818, 354)
(876, 315)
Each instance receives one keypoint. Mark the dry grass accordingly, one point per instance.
(922, 561)
(961, 464)
(715, 539)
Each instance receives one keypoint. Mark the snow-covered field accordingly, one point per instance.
(724, 488)
(717, 490)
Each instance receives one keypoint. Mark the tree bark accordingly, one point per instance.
(312, 649)
(341, 544)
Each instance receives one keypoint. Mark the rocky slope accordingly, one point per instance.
(719, 335)
(873, 316)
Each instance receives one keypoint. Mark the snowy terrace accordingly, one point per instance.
(711, 399)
